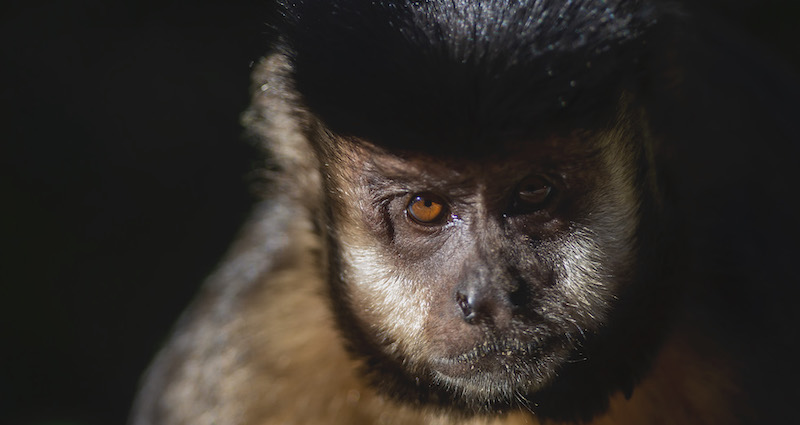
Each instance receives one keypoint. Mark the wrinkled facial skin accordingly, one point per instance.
(479, 279)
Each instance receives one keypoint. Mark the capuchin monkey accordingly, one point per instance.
(498, 212)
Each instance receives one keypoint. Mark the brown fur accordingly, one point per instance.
(283, 362)
(260, 346)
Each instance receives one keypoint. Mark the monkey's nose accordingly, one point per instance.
(467, 305)
(481, 304)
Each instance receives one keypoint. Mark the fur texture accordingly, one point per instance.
(464, 71)
(334, 307)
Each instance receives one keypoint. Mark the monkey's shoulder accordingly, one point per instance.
(692, 381)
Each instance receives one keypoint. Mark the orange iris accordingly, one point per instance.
(425, 209)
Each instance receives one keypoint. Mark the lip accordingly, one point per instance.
(492, 376)
(491, 358)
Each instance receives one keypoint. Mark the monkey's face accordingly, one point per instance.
(481, 278)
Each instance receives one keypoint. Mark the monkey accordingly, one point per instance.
(475, 214)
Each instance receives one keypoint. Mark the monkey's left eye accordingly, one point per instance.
(426, 209)
(533, 193)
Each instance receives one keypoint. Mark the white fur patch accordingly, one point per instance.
(399, 305)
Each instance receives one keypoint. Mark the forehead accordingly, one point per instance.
(511, 158)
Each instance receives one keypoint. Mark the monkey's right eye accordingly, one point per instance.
(426, 209)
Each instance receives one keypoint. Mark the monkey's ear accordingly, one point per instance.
(277, 121)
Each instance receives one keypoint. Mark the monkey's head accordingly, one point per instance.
(481, 281)
(489, 194)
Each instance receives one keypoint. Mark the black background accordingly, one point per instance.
(125, 177)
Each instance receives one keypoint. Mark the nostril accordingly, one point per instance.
(466, 302)
(518, 297)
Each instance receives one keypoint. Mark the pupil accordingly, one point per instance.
(428, 203)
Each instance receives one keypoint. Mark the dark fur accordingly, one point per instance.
(396, 71)
(362, 104)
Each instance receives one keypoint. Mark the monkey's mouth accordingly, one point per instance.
(497, 371)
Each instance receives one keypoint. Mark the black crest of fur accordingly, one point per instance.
(415, 72)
